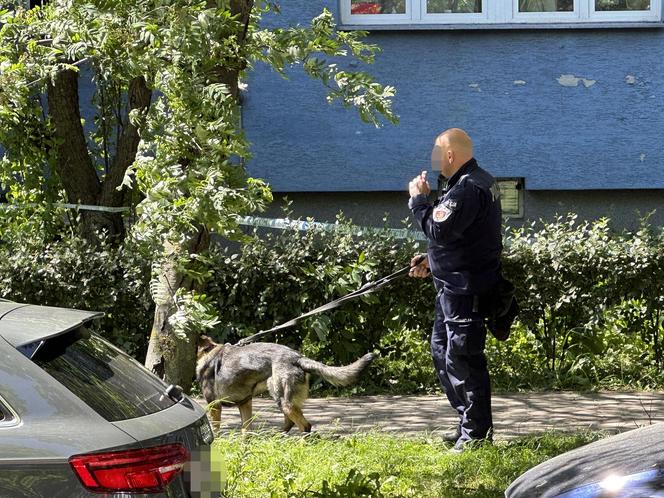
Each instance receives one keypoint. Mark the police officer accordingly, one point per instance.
(463, 228)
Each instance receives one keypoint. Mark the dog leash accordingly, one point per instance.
(367, 288)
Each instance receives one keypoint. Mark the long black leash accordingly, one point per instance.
(367, 288)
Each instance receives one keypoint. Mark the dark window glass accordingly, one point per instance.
(546, 5)
(378, 7)
(608, 5)
(454, 6)
(106, 379)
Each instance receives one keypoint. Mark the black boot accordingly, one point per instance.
(452, 436)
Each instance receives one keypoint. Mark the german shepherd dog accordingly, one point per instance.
(235, 374)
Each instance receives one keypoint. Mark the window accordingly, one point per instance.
(105, 378)
(432, 12)
(511, 197)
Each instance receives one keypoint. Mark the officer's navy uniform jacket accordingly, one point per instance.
(463, 228)
(464, 231)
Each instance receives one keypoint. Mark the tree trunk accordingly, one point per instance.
(169, 357)
(74, 165)
(78, 174)
(139, 96)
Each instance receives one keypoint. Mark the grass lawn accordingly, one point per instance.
(379, 465)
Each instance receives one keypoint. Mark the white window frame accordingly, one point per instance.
(503, 12)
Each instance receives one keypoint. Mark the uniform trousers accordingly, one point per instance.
(457, 348)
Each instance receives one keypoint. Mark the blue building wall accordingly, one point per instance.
(512, 90)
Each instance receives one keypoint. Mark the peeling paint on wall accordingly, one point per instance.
(568, 138)
(571, 80)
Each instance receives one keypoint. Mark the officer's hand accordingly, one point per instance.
(419, 185)
(420, 270)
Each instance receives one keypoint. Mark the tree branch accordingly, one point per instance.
(139, 99)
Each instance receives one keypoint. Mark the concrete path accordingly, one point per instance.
(513, 414)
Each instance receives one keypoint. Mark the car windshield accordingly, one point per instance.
(106, 379)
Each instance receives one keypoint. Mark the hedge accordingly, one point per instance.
(591, 300)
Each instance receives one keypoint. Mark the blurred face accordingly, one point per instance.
(441, 158)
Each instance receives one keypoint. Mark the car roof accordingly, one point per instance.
(22, 324)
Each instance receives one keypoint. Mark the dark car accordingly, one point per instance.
(80, 418)
(628, 465)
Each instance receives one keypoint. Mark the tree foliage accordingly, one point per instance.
(164, 136)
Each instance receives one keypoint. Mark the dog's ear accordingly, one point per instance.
(205, 344)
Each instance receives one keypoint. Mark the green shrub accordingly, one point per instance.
(405, 364)
(282, 275)
(592, 300)
(588, 295)
(576, 281)
(71, 272)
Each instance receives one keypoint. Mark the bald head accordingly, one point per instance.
(457, 140)
(452, 149)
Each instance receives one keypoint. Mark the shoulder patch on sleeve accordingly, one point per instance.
(441, 213)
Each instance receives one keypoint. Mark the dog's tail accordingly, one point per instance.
(338, 376)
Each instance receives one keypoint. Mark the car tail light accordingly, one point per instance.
(147, 470)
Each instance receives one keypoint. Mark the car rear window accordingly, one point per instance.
(106, 379)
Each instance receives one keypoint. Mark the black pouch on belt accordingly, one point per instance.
(499, 308)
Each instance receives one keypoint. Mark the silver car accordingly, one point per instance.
(80, 418)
